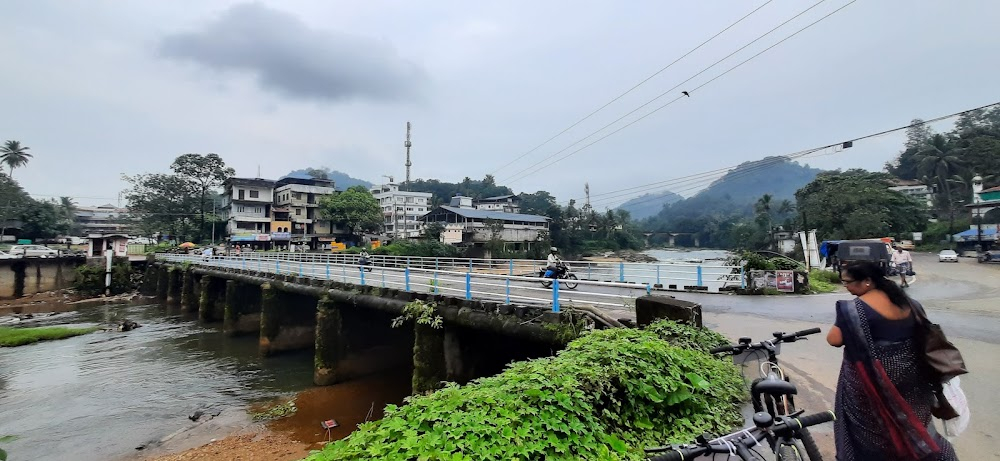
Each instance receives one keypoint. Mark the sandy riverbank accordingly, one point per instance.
(261, 445)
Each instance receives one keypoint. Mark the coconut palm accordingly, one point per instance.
(940, 160)
(14, 155)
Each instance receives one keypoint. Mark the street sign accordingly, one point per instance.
(918, 236)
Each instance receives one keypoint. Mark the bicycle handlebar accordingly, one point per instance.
(739, 442)
(778, 338)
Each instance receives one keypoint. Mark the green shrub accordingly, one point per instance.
(90, 279)
(826, 276)
(608, 395)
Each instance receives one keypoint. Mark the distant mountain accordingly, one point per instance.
(341, 180)
(648, 205)
(738, 190)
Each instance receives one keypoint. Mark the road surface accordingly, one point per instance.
(964, 298)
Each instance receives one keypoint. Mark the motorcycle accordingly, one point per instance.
(561, 272)
(365, 264)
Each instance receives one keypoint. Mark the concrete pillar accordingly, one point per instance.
(454, 357)
(174, 285)
(162, 279)
(330, 343)
(149, 280)
(287, 322)
(189, 301)
(207, 302)
(649, 309)
(670, 240)
(241, 313)
(429, 367)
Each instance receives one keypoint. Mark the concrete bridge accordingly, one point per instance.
(467, 324)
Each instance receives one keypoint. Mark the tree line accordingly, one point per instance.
(37, 219)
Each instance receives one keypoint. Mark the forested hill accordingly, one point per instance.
(649, 205)
(738, 191)
(341, 180)
(444, 191)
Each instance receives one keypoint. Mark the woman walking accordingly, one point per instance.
(885, 391)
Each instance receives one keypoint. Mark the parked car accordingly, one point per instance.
(33, 251)
(907, 245)
(5, 255)
(948, 256)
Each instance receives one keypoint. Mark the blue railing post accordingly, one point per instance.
(621, 272)
(508, 291)
(244, 264)
(510, 271)
(743, 277)
(435, 282)
(649, 289)
(328, 270)
(468, 285)
(699, 276)
(470, 264)
(406, 275)
(658, 275)
(362, 271)
(555, 295)
(300, 269)
(277, 267)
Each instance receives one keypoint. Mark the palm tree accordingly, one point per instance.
(68, 210)
(939, 159)
(763, 209)
(14, 155)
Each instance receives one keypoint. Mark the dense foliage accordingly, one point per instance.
(606, 396)
(175, 204)
(355, 208)
(858, 204)
(340, 179)
(444, 191)
(90, 278)
(35, 218)
(649, 205)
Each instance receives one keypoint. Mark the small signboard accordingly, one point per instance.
(918, 236)
(785, 281)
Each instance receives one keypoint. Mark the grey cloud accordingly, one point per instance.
(290, 58)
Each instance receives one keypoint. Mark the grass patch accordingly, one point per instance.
(10, 336)
(821, 281)
(274, 412)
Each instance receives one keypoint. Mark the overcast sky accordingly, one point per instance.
(98, 89)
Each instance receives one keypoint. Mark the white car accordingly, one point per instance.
(5, 255)
(33, 251)
(948, 256)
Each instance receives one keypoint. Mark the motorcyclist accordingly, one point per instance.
(363, 257)
(553, 262)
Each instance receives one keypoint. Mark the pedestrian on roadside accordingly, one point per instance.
(904, 264)
(885, 392)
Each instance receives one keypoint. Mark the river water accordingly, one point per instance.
(101, 395)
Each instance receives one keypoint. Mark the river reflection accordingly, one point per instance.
(98, 396)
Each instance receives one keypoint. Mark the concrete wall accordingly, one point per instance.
(21, 277)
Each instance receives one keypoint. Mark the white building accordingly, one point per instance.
(246, 208)
(915, 189)
(402, 210)
(104, 219)
(504, 203)
(468, 226)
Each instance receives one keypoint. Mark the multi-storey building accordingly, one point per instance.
(296, 202)
(915, 189)
(246, 208)
(401, 210)
(104, 219)
(504, 203)
(470, 227)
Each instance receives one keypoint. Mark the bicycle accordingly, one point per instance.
(773, 391)
(780, 435)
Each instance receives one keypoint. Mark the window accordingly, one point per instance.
(240, 192)
(298, 212)
(298, 196)
(239, 209)
(254, 194)
(409, 208)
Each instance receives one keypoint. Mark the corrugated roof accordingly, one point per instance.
(499, 197)
(489, 214)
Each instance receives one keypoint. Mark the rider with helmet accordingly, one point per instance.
(554, 262)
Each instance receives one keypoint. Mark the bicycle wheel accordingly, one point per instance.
(570, 285)
(810, 445)
(788, 453)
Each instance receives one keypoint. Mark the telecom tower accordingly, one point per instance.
(586, 190)
(407, 144)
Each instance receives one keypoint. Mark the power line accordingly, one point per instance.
(637, 85)
(532, 170)
(799, 154)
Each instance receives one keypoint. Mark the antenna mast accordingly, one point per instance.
(407, 144)
(586, 190)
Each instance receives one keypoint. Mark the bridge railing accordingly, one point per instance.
(454, 281)
(708, 276)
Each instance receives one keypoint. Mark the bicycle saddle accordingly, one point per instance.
(776, 387)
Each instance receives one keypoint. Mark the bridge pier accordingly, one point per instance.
(286, 320)
(149, 280)
(331, 344)
(209, 307)
(430, 366)
(174, 285)
(162, 278)
(242, 309)
(189, 300)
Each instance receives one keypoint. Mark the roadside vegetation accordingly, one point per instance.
(821, 281)
(608, 395)
(10, 336)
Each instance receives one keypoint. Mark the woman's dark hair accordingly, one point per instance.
(862, 270)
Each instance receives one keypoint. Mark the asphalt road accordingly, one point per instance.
(964, 298)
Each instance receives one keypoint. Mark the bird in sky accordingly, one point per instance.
(685, 93)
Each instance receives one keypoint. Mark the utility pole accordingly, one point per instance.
(215, 216)
(407, 144)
